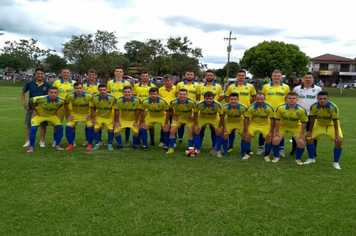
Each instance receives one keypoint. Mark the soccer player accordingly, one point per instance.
(45, 108)
(324, 120)
(234, 115)
(127, 113)
(276, 92)
(208, 112)
(259, 118)
(307, 96)
(79, 100)
(65, 86)
(158, 112)
(115, 88)
(102, 114)
(218, 92)
(37, 87)
(182, 109)
(289, 117)
(141, 90)
(246, 93)
(191, 87)
(168, 93)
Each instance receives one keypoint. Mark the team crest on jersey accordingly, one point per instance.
(62, 91)
(194, 87)
(158, 106)
(85, 100)
(32, 122)
(328, 111)
(57, 105)
(313, 90)
(71, 85)
(109, 103)
(214, 89)
(297, 113)
(282, 88)
(246, 88)
(302, 95)
(44, 88)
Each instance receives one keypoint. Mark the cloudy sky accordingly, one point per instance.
(316, 26)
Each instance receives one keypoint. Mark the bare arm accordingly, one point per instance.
(23, 99)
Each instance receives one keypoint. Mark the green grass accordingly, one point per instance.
(78, 192)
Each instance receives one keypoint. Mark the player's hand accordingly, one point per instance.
(302, 136)
(308, 136)
(247, 135)
(218, 131)
(117, 125)
(95, 122)
(338, 139)
(136, 126)
(225, 132)
(26, 107)
(34, 113)
(275, 134)
(70, 118)
(144, 126)
(196, 129)
(175, 118)
(166, 127)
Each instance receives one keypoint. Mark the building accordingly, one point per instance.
(331, 68)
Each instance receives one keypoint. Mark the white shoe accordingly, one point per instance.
(27, 144)
(100, 143)
(281, 153)
(126, 144)
(299, 162)
(42, 144)
(309, 161)
(85, 143)
(336, 166)
(275, 160)
(267, 159)
(161, 144)
(175, 145)
(259, 151)
(54, 144)
(218, 154)
(74, 144)
(246, 157)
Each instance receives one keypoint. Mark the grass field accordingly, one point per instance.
(78, 192)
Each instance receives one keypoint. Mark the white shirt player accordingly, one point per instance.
(307, 96)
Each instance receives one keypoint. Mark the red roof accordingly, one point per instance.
(333, 58)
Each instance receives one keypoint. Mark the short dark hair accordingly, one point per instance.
(234, 95)
(153, 90)
(293, 93)
(51, 88)
(77, 84)
(259, 93)
(144, 72)
(309, 73)
(40, 69)
(183, 90)
(101, 86)
(241, 71)
(209, 71)
(92, 71)
(323, 93)
(65, 69)
(119, 68)
(167, 76)
(190, 71)
(208, 94)
(127, 87)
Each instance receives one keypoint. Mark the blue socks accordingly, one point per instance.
(143, 135)
(311, 151)
(90, 136)
(33, 136)
(135, 140)
(166, 139)
(299, 153)
(232, 139)
(197, 141)
(111, 137)
(118, 140)
(190, 143)
(281, 144)
(69, 134)
(127, 134)
(225, 143)
(97, 137)
(337, 154)
(261, 141)
(152, 137)
(181, 134)
(268, 148)
(218, 142)
(275, 150)
(171, 142)
(59, 134)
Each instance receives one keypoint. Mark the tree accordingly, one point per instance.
(263, 59)
(132, 48)
(105, 64)
(14, 63)
(234, 67)
(54, 63)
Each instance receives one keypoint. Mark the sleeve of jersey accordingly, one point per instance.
(228, 91)
(199, 90)
(335, 113)
(166, 106)
(221, 91)
(270, 112)
(117, 106)
(253, 91)
(108, 87)
(304, 118)
(67, 100)
(143, 106)
(91, 103)
(25, 88)
(196, 110)
(277, 115)
(312, 111)
(220, 112)
(247, 113)
(138, 107)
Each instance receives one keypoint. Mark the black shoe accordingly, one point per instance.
(133, 148)
(292, 153)
(315, 155)
(119, 147)
(144, 148)
(166, 149)
(152, 144)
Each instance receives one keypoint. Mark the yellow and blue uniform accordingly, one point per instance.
(324, 118)
(183, 112)
(63, 90)
(80, 108)
(127, 113)
(156, 111)
(215, 88)
(141, 91)
(290, 120)
(234, 117)
(115, 88)
(167, 95)
(260, 119)
(104, 114)
(93, 89)
(191, 88)
(208, 115)
(46, 110)
(245, 91)
(275, 95)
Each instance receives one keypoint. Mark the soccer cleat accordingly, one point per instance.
(309, 161)
(230, 149)
(31, 149)
(160, 144)
(119, 147)
(299, 162)
(336, 166)
(110, 147)
(170, 151)
(166, 149)
(42, 144)
(246, 157)
(152, 144)
(100, 143)
(126, 144)
(224, 155)
(281, 153)
(89, 147)
(27, 144)
(259, 151)
(85, 143)
(267, 159)
(54, 144)
(241, 156)
(292, 153)
(59, 148)
(69, 147)
(95, 147)
(213, 151)
(74, 144)
(218, 154)
(144, 148)
(139, 143)
(275, 160)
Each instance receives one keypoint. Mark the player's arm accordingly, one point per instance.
(35, 111)
(338, 138)
(221, 98)
(252, 94)
(23, 99)
(117, 119)
(92, 111)
(253, 99)
(227, 95)
(221, 94)
(302, 131)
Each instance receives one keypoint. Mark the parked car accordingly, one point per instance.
(1, 75)
(157, 80)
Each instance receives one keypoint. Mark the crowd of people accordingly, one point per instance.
(305, 112)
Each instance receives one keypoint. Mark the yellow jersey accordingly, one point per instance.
(324, 116)
(167, 95)
(275, 95)
(291, 118)
(93, 89)
(245, 91)
(191, 88)
(44, 105)
(128, 109)
(234, 115)
(209, 112)
(115, 88)
(216, 89)
(79, 105)
(259, 116)
(185, 110)
(157, 109)
(64, 88)
(141, 91)
(104, 108)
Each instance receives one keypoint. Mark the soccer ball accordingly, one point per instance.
(191, 152)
